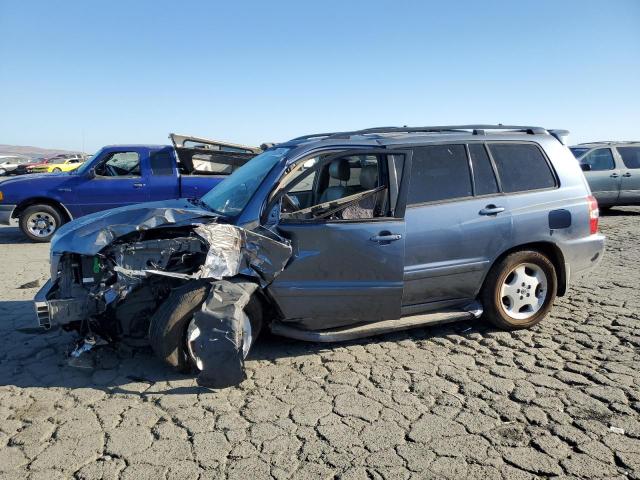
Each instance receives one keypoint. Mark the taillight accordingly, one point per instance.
(594, 214)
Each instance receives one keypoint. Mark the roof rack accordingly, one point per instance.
(478, 129)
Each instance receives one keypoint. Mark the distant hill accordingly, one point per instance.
(33, 152)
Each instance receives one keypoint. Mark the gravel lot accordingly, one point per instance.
(457, 401)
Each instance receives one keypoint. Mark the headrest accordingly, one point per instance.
(339, 169)
(369, 177)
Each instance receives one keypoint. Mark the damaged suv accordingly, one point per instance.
(332, 237)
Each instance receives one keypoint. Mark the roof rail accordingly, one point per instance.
(478, 129)
(609, 142)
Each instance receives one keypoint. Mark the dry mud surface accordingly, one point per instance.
(459, 401)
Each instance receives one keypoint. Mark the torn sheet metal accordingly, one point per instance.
(89, 234)
(234, 250)
(225, 250)
(218, 339)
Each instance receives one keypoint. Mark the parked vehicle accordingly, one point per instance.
(116, 176)
(61, 165)
(332, 237)
(8, 164)
(37, 166)
(612, 170)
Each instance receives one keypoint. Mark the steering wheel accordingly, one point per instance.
(290, 203)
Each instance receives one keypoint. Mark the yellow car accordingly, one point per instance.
(61, 166)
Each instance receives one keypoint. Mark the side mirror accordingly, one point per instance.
(91, 173)
(585, 167)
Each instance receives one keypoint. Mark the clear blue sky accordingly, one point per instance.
(133, 71)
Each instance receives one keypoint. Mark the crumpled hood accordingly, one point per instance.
(89, 234)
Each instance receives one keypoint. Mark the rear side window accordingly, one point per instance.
(439, 172)
(162, 163)
(521, 167)
(630, 156)
(600, 159)
(483, 177)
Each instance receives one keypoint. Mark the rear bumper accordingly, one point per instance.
(582, 255)
(5, 214)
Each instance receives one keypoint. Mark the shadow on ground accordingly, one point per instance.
(13, 235)
(619, 212)
(33, 357)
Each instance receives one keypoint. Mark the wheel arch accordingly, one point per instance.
(550, 250)
(42, 201)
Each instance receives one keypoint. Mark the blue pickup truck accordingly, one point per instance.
(116, 176)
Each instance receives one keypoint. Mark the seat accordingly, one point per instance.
(365, 208)
(340, 170)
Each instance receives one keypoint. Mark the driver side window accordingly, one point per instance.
(350, 187)
(120, 164)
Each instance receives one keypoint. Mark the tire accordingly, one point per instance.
(504, 306)
(56, 170)
(45, 216)
(168, 325)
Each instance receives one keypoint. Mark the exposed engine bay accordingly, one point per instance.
(113, 293)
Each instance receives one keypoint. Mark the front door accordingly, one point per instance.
(117, 181)
(603, 175)
(348, 242)
(630, 179)
(342, 273)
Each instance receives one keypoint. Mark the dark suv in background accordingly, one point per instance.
(612, 170)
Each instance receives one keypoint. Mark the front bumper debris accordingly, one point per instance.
(42, 306)
(217, 344)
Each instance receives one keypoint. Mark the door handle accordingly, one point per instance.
(491, 210)
(626, 174)
(138, 185)
(614, 175)
(386, 237)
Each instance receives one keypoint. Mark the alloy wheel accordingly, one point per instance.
(523, 291)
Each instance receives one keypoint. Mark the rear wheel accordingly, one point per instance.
(519, 290)
(39, 222)
(172, 325)
(56, 170)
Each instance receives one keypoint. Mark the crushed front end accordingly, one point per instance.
(109, 280)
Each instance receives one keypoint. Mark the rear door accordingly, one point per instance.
(630, 179)
(603, 175)
(346, 268)
(457, 223)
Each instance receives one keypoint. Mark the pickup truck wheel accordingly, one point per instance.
(39, 222)
(519, 290)
(171, 324)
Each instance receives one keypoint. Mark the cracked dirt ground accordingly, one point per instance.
(463, 400)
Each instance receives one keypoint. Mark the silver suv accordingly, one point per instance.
(331, 237)
(612, 170)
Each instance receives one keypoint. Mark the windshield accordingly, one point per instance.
(84, 167)
(232, 195)
(579, 151)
